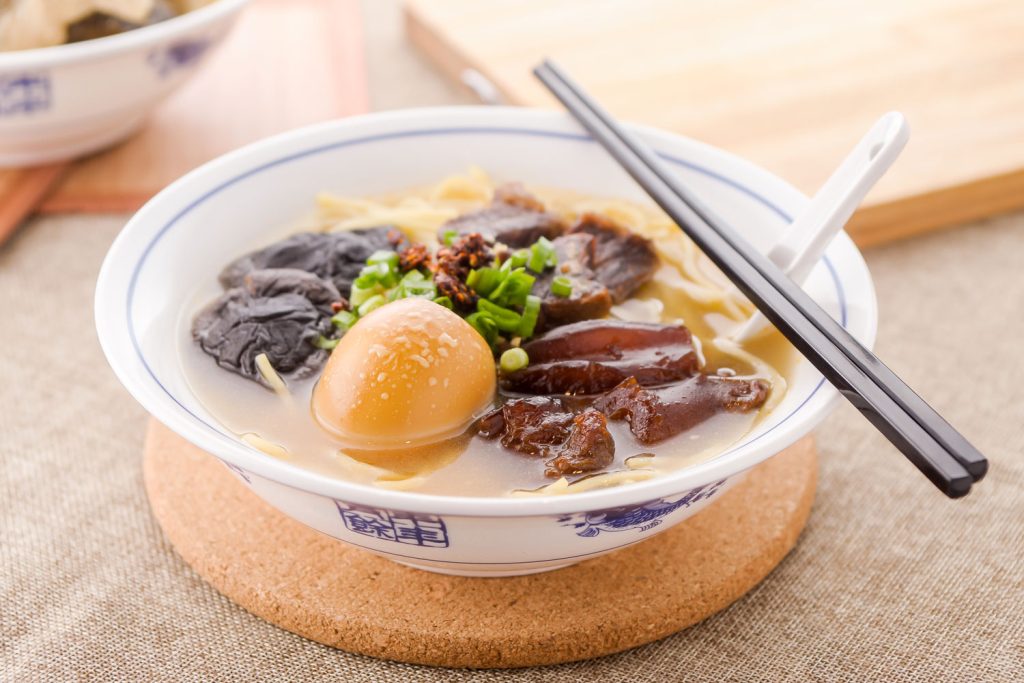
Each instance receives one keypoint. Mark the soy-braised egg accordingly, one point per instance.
(408, 374)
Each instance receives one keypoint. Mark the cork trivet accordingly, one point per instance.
(341, 596)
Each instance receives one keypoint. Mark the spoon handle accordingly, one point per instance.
(807, 237)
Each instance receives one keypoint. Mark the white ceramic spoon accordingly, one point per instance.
(807, 237)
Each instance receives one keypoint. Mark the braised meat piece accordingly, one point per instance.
(280, 312)
(589, 298)
(589, 448)
(623, 261)
(334, 256)
(655, 414)
(514, 217)
(529, 425)
(593, 356)
(545, 427)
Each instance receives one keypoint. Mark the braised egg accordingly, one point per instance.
(410, 373)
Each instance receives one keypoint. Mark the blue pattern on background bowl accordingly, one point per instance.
(185, 234)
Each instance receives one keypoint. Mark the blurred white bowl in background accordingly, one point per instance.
(61, 102)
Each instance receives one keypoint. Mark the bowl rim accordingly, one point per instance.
(180, 195)
(98, 48)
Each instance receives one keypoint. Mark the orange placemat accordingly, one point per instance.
(286, 64)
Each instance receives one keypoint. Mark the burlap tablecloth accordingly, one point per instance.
(890, 581)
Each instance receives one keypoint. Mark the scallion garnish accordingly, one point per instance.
(542, 255)
(505, 319)
(344, 320)
(514, 359)
(449, 237)
(513, 289)
(561, 286)
(444, 301)
(485, 325)
(372, 303)
(528, 320)
(360, 293)
(484, 280)
(388, 258)
(322, 342)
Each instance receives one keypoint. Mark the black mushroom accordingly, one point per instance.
(279, 312)
(335, 256)
(514, 218)
(593, 356)
(655, 414)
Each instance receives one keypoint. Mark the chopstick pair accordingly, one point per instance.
(939, 451)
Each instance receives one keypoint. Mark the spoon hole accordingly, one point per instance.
(874, 151)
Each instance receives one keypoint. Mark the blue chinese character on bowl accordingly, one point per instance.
(643, 517)
(428, 531)
(176, 56)
(24, 94)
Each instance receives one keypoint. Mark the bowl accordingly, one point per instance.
(64, 101)
(184, 235)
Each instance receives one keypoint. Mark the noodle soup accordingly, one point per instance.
(476, 339)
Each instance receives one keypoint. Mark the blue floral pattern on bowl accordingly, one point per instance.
(24, 94)
(176, 56)
(643, 517)
(428, 531)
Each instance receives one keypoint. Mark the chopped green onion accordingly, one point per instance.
(505, 319)
(561, 286)
(374, 302)
(360, 294)
(343, 320)
(449, 237)
(542, 255)
(383, 256)
(513, 289)
(484, 280)
(444, 301)
(519, 258)
(531, 311)
(484, 324)
(514, 359)
(322, 342)
(414, 276)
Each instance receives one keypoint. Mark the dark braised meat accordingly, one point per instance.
(589, 298)
(593, 356)
(655, 414)
(514, 217)
(589, 448)
(528, 425)
(279, 312)
(623, 261)
(334, 256)
(546, 427)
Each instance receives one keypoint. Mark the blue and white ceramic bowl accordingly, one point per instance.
(64, 101)
(185, 234)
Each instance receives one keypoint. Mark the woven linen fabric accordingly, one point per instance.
(889, 582)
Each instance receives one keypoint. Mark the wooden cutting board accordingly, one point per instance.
(286, 64)
(789, 84)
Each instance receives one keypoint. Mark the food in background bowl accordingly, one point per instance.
(60, 100)
(483, 340)
(30, 24)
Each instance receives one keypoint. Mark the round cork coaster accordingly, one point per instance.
(345, 597)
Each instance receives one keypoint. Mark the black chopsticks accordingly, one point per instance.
(920, 433)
